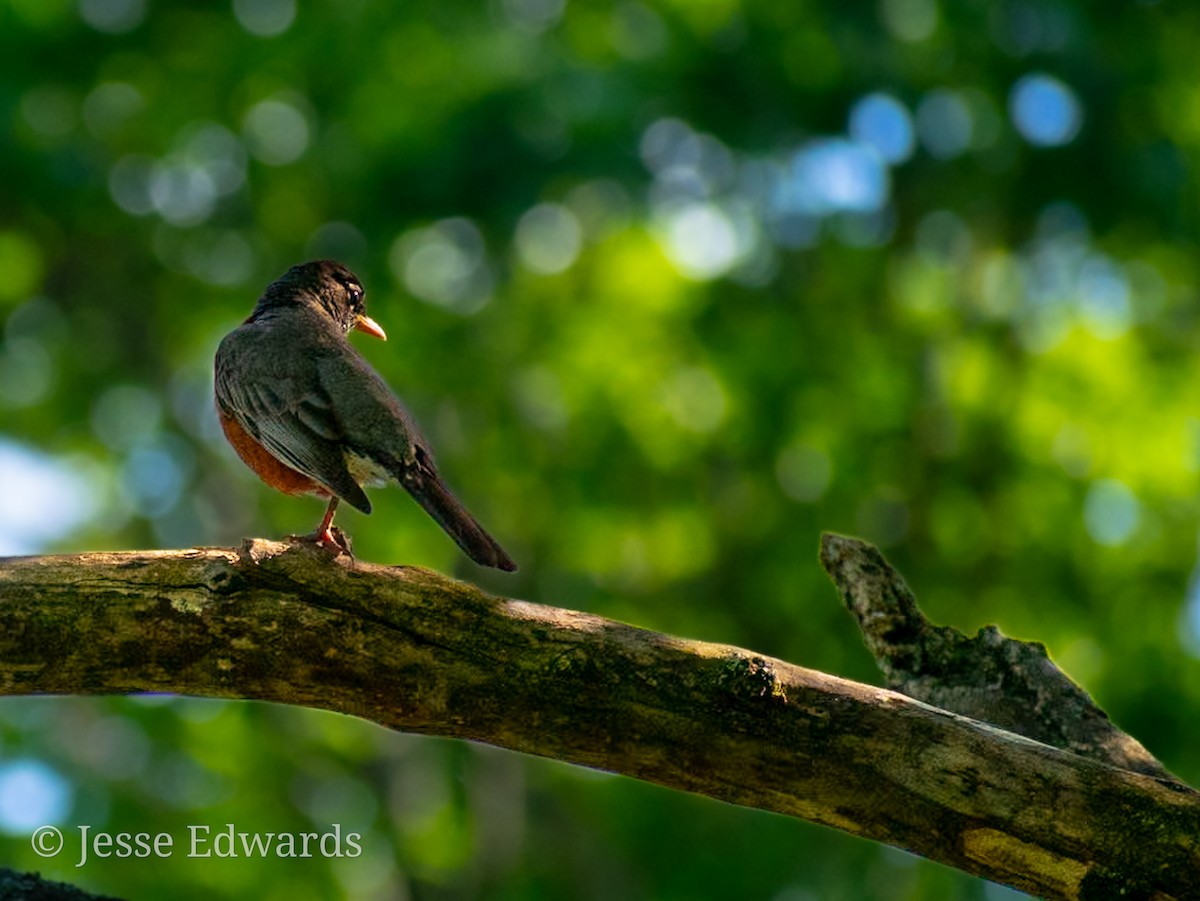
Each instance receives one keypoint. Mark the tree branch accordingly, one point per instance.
(16, 886)
(1008, 683)
(416, 651)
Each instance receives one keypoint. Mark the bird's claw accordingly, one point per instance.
(332, 539)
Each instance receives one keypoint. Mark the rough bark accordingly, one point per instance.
(16, 886)
(419, 652)
(1008, 683)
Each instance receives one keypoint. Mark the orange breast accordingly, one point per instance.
(278, 475)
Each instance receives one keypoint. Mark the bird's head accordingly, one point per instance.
(334, 288)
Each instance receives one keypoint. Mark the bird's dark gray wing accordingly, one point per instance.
(378, 428)
(370, 418)
(292, 417)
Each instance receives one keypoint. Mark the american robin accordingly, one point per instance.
(309, 415)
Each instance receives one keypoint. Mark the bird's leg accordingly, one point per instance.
(322, 533)
(325, 535)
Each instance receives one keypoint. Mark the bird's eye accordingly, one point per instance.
(356, 294)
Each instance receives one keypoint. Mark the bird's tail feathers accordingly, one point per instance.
(440, 503)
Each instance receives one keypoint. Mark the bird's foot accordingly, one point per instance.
(332, 539)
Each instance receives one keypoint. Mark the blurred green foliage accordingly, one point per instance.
(673, 287)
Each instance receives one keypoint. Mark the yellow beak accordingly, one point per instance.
(366, 324)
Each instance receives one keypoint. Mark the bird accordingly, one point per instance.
(307, 413)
